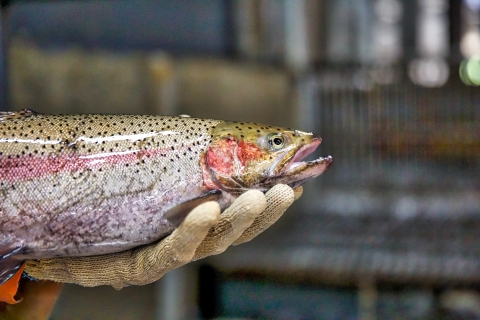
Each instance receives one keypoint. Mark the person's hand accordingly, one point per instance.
(203, 233)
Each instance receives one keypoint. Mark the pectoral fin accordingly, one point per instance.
(8, 263)
(177, 214)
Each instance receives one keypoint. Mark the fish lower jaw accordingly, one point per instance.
(297, 173)
(320, 165)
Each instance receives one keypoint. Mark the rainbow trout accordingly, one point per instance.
(79, 185)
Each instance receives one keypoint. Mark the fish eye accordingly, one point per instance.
(276, 141)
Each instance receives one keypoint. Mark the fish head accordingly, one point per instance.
(246, 156)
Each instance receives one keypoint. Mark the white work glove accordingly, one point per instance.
(203, 233)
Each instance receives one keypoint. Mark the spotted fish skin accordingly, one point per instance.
(91, 184)
(78, 185)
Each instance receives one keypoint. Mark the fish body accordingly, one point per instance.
(79, 185)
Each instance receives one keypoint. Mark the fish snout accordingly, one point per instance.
(316, 138)
(307, 137)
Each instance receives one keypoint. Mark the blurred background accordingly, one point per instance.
(392, 86)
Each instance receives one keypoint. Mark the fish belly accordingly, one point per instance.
(93, 220)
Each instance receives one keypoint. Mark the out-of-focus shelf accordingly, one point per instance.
(345, 248)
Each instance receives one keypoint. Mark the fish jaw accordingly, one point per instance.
(295, 172)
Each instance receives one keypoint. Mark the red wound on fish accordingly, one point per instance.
(248, 151)
(220, 156)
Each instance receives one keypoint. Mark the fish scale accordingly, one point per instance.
(77, 185)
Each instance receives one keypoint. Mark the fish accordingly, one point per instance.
(91, 184)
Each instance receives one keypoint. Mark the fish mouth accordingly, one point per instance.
(304, 151)
(297, 172)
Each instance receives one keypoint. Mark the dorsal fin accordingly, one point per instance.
(6, 115)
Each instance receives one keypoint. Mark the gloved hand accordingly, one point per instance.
(203, 233)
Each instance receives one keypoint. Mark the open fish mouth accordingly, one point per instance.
(297, 172)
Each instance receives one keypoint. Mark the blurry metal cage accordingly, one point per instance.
(386, 134)
(385, 90)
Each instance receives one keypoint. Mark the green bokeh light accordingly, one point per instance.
(470, 71)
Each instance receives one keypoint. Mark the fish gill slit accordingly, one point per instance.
(238, 165)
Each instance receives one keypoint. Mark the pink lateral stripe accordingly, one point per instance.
(25, 167)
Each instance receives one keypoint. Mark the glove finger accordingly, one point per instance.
(150, 263)
(298, 192)
(179, 247)
(233, 222)
(279, 198)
